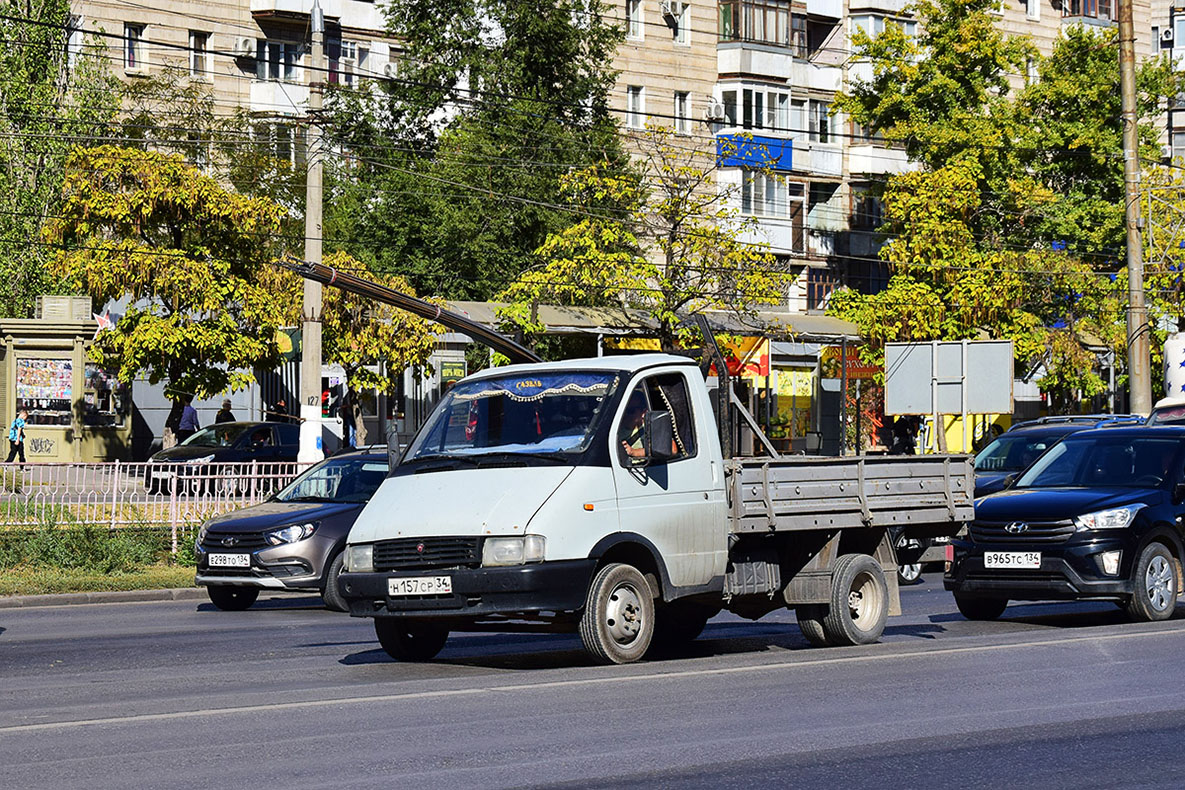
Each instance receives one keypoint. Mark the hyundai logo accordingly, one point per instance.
(230, 541)
(1016, 528)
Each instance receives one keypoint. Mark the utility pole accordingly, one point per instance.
(310, 359)
(1138, 352)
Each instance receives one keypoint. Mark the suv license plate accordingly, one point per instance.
(229, 560)
(1012, 559)
(420, 585)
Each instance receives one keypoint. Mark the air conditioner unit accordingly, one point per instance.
(63, 308)
(671, 8)
(715, 110)
(390, 70)
(243, 47)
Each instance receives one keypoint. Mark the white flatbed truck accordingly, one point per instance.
(537, 497)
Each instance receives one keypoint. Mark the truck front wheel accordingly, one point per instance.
(618, 620)
(859, 601)
(406, 641)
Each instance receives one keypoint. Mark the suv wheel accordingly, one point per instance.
(1154, 585)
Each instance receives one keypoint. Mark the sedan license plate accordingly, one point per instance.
(420, 585)
(1012, 559)
(230, 560)
(162, 474)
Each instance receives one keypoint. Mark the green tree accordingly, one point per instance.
(664, 239)
(51, 98)
(186, 252)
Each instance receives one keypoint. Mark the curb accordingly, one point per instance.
(115, 596)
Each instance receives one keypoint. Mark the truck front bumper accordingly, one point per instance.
(477, 592)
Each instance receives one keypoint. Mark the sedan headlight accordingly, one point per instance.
(518, 550)
(1115, 518)
(290, 534)
(205, 459)
(360, 559)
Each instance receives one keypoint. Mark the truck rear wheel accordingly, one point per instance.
(810, 622)
(677, 624)
(408, 641)
(618, 620)
(859, 601)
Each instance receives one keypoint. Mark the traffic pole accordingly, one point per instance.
(1138, 351)
(310, 359)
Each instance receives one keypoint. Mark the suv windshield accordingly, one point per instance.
(552, 413)
(349, 479)
(216, 435)
(1013, 453)
(1142, 462)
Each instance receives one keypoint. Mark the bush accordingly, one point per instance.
(89, 548)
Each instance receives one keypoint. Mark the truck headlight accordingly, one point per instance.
(1115, 518)
(518, 550)
(360, 559)
(290, 534)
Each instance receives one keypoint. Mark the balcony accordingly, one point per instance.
(875, 159)
(283, 98)
(893, 7)
(804, 74)
(758, 60)
(1089, 12)
(294, 8)
(832, 9)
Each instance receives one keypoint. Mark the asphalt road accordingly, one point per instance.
(176, 694)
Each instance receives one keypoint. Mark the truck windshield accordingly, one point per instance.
(1143, 462)
(537, 413)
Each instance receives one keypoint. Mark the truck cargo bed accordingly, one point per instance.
(930, 495)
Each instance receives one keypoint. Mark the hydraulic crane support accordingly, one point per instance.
(327, 275)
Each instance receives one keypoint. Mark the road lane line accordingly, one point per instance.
(677, 674)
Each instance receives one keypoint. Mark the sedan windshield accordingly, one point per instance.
(217, 435)
(1104, 462)
(348, 479)
(538, 414)
(1012, 453)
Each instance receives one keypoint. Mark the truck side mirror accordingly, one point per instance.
(659, 437)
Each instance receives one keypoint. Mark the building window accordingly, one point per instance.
(633, 20)
(730, 107)
(798, 40)
(1178, 145)
(636, 117)
(1031, 75)
(682, 22)
(1179, 30)
(350, 65)
(277, 60)
(1093, 9)
(820, 122)
(874, 25)
(759, 21)
(74, 41)
(866, 208)
(199, 65)
(282, 141)
(134, 55)
(682, 112)
(1033, 9)
(760, 109)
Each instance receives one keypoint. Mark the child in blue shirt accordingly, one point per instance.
(16, 437)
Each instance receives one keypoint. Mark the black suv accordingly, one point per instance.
(1097, 517)
(1012, 451)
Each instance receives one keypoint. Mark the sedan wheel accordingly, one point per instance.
(1154, 585)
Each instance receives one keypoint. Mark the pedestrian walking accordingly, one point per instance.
(279, 412)
(16, 437)
(189, 420)
(224, 414)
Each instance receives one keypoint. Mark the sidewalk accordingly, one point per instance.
(118, 596)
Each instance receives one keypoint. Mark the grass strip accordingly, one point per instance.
(43, 580)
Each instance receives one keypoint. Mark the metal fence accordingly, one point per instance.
(116, 495)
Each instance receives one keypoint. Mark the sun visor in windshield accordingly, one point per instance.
(529, 388)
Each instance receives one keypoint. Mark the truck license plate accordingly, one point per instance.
(230, 560)
(1012, 559)
(420, 585)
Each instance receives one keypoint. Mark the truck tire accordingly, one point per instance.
(1154, 585)
(232, 597)
(810, 622)
(678, 624)
(618, 620)
(859, 601)
(329, 593)
(409, 641)
(981, 608)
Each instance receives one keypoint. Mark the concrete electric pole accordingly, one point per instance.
(310, 359)
(1138, 352)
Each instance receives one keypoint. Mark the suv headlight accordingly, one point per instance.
(205, 459)
(290, 534)
(360, 559)
(518, 550)
(1114, 518)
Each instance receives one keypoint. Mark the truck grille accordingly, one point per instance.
(420, 553)
(1036, 532)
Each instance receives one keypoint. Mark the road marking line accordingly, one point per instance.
(686, 673)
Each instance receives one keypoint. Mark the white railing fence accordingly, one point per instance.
(115, 495)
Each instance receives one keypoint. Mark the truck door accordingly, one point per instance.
(679, 504)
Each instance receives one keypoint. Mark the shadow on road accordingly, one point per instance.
(920, 630)
(1058, 615)
(2, 629)
(300, 603)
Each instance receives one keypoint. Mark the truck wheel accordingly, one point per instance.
(677, 624)
(407, 641)
(329, 593)
(981, 608)
(618, 620)
(859, 601)
(1154, 585)
(231, 597)
(810, 622)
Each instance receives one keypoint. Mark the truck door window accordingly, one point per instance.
(667, 393)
